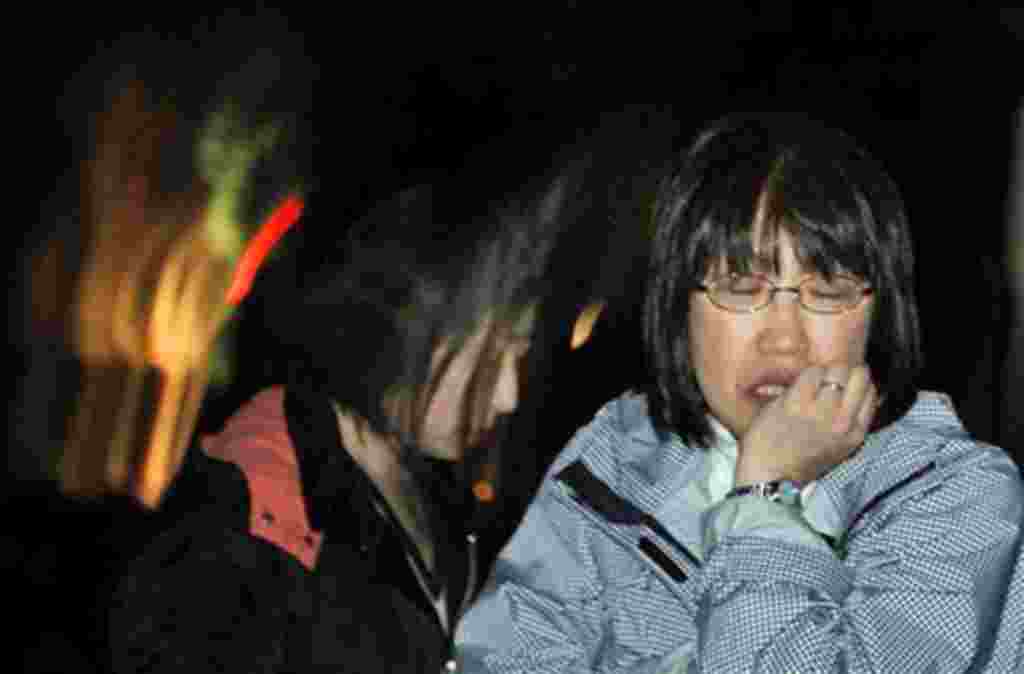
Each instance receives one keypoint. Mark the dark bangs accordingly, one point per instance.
(738, 219)
(423, 274)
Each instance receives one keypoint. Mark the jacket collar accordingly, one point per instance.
(342, 502)
(333, 484)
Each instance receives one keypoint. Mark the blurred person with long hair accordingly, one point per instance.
(403, 347)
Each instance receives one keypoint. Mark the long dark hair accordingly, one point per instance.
(425, 268)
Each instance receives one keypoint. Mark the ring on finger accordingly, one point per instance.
(828, 383)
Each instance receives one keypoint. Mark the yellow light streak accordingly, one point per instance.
(151, 294)
(584, 326)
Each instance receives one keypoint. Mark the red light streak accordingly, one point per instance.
(279, 222)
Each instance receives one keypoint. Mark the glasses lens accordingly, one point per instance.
(740, 293)
(831, 295)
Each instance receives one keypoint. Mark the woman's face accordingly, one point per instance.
(441, 434)
(743, 361)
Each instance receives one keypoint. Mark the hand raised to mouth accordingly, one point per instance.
(806, 429)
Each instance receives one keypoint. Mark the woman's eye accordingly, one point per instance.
(743, 286)
(832, 290)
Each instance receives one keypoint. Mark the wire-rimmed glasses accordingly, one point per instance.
(747, 293)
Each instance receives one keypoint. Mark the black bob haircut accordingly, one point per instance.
(420, 273)
(762, 173)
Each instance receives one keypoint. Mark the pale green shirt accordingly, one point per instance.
(747, 515)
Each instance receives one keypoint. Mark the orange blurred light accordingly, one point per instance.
(584, 326)
(147, 304)
(484, 491)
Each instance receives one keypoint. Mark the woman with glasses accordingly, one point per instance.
(781, 497)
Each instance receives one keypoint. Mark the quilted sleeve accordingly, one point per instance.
(917, 587)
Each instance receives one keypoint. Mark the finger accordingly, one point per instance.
(858, 384)
(804, 390)
(869, 407)
(834, 382)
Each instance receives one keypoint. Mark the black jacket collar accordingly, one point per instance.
(332, 482)
(343, 502)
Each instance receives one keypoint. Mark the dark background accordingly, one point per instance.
(375, 101)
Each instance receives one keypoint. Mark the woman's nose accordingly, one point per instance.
(783, 328)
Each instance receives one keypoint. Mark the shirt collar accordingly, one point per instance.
(725, 442)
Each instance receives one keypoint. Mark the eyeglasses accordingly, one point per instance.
(747, 293)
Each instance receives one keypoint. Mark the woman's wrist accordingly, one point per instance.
(786, 492)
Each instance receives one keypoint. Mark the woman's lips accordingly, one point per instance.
(769, 385)
(770, 390)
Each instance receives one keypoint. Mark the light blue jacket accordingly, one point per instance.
(611, 571)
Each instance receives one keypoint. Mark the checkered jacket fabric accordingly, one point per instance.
(1008, 654)
(599, 578)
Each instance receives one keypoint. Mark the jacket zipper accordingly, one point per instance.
(471, 573)
(416, 564)
(671, 573)
(450, 664)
